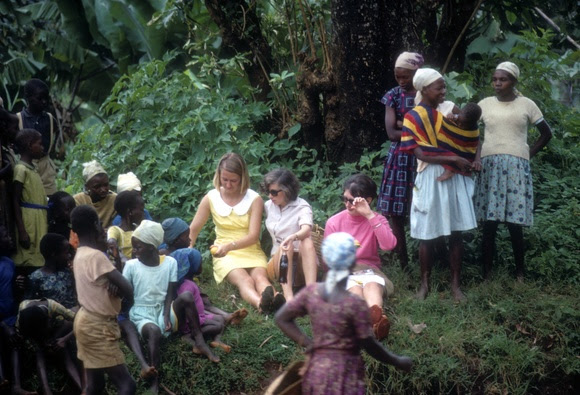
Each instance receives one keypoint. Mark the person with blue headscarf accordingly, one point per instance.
(341, 326)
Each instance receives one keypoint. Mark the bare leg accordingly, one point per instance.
(41, 367)
(398, 227)
(425, 260)
(121, 379)
(373, 294)
(488, 247)
(455, 258)
(517, 236)
(15, 359)
(308, 257)
(447, 174)
(356, 290)
(131, 337)
(246, 285)
(71, 366)
(152, 335)
(260, 277)
(184, 307)
(96, 381)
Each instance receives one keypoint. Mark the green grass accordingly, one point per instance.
(507, 338)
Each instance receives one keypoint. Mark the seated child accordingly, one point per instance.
(96, 330)
(97, 193)
(176, 241)
(54, 280)
(459, 134)
(130, 206)
(60, 205)
(129, 182)
(48, 325)
(154, 280)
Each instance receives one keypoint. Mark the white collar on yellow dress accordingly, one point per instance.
(223, 209)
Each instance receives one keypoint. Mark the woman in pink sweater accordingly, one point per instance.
(372, 231)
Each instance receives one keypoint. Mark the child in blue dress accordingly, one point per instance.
(54, 280)
(155, 311)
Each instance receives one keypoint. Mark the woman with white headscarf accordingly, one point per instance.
(129, 182)
(341, 326)
(439, 208)
(504, 192)
(394, 199)
(97, 193)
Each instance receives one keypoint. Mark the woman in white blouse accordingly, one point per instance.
(289, 221)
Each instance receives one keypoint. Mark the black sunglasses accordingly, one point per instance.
(344, 199)
(274, 192)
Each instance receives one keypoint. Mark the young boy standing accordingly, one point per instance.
(99, 289)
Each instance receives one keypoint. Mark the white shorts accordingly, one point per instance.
(363, 277)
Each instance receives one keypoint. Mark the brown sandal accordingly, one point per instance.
(381, 329)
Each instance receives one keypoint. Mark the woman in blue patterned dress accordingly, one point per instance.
(400, 167)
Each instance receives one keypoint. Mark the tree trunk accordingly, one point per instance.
(354, 113)
(241, 32)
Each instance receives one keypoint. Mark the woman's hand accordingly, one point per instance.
(476, 165)
(222, 249)
(361, 207)
(167, 324)
(288, 242)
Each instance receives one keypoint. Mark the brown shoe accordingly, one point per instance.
(266, 300)
(381, 329)
(279, 301)
(376, 313)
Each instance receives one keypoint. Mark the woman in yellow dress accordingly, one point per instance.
(236, 211)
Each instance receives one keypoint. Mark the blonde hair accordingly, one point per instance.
(233, 163)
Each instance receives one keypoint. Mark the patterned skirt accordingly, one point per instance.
(504, 190)
(397, 184)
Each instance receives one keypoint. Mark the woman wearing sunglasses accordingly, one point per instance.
(289, 221)
(372, 231)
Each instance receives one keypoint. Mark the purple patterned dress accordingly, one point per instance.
(335, 366)
(400, 167)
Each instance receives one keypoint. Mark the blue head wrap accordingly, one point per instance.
(173, 228)
(339, 253)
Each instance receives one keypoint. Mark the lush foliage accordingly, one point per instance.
(169, 124)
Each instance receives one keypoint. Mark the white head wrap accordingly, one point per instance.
(409, 60)
(424, 77)
(339, 253)
(149, 232)
(128, 182)
(511, 68)
(91, 169)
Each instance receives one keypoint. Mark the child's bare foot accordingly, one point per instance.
(187, 339)
(149, 373)
(447, 174)
(219, 344)
(458, 295)
(423, 291)
(237, 317)
(204, 350)
(19, 391)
